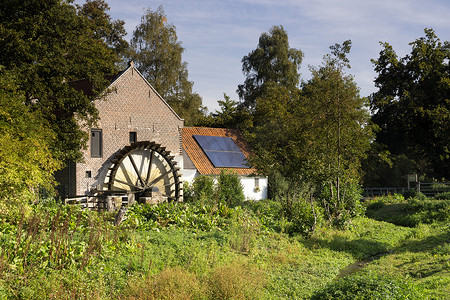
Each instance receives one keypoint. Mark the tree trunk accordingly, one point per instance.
(313, 228)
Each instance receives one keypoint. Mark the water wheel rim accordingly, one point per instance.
(140, 170)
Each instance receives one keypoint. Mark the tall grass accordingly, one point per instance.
(194, 251)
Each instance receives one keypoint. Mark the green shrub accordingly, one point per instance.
(302, 220)
(203, 189)
(386, 199)
(230, 189)
(270, 214)
(369, 287)
(412, 213)
(443, 196)
(413, 193)
(188, 192)
(195, 216)
(375, 205)
(429, 211)
(348, 206)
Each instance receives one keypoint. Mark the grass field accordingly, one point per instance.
(187, 251)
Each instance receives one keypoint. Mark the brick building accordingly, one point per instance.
(131, 111)
(136, 147)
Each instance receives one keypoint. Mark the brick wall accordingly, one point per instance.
(130, 105)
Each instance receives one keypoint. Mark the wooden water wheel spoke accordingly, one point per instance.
(152, 183)
(138, 173)
(149, 171)
(128, 184)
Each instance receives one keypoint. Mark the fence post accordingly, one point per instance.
(109, 203)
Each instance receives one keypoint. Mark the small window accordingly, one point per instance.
(133, 137)
(96, 143)
(256, 183)
(88, 174)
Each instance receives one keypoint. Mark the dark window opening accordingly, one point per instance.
(133, 137)
(96, 143)
(88, 174)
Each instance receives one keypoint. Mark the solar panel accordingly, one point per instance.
(222, 151)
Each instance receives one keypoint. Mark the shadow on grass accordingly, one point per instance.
(428, 243)
(397, 214)
(359, 248)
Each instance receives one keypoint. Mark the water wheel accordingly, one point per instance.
(146, 170)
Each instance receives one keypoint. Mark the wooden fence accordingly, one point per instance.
(100, 203)
(430, 189)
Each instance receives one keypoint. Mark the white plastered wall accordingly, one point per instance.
(251, 191)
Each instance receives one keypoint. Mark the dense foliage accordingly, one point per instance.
(226, 189)
(48, 44)
(411, 211)
(315, 135)
(273, 61)
(195, 251)
(412, 106)
(230, 115)
(26, 162)
(112, 32)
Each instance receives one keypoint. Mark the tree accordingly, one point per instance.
(48, 44)
(272, 61)
(412, 104)
(315, 135)
(229, 116)
(340, 123)
(26, 162)
(112, 32)
(158, 55)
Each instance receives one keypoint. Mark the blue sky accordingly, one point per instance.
(217, 34)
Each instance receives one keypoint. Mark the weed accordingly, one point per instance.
(369, 287)
(236, 281)
(198, 251)
(172, 283)
(443, 196)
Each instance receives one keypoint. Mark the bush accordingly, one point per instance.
(413, 193)
(348, 207)
(443, 196)
(369, 287)
(182, 215)
(428, 211)
(302, 220)
(230, 189)
(379, 202)
(203, 189)
(375, 205)
(412, 213)
(386, 199)
(270, 213)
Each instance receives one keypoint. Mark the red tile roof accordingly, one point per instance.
(199, 158)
